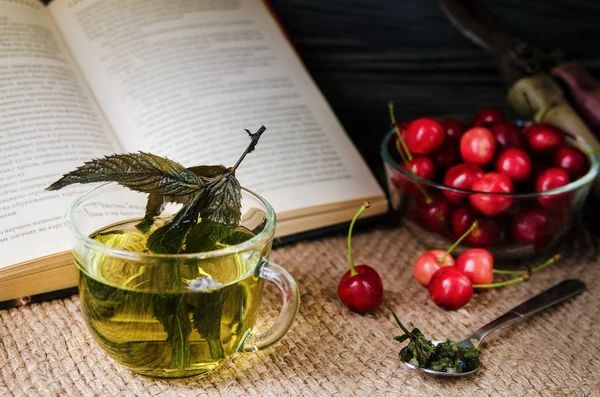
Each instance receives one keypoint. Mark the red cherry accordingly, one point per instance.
(543, 137)
(362, 292)
(462, 218)
(534, 226)
(404, 126)
(435, 214)
(551, 179)
(539, 164)
(422, 167)
(447, 155)
(360, 288)
(514, 208)
(453, 128)
(477, 264)
(428, 263)
(572, 161)
(424, 136)
(485, 234)
(450, 289)
(478, 146)
(514, 163)
(488, 117)
(492, 204)
(461, 176)
(507, 135)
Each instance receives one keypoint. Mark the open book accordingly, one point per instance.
(80, 79)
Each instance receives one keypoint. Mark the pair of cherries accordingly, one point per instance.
(451, 282)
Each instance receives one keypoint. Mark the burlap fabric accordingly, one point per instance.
(45, 349)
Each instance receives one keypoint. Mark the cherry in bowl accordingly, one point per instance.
(504, 192)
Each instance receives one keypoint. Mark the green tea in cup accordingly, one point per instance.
(174, 315)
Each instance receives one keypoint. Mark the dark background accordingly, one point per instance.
(363, 53)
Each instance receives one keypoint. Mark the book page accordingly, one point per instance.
(184, 79)
(49, 124)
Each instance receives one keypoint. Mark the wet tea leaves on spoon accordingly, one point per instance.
(447, 356)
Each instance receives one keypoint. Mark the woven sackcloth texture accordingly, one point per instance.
(45, 349)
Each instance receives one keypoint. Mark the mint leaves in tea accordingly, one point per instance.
(170, 315)
(169, 319)
(208, 192)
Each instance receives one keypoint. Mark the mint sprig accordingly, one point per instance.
(209, 192)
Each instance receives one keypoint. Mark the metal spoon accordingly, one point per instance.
(552, 296)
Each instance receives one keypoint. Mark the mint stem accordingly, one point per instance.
(400, 324)
(254, 137)
(402, 149)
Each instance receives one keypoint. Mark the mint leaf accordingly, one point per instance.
(156, 202)
(208, 171)
(224, 201)
(173, 313)
(169, 238)
(155, 205)
(206, 317)
(237, 237)
(142, 172)
(208, 191)
(206, 234)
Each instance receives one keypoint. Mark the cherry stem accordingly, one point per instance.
(362, 209)
(400, 139)
(526, 275)
(428, 198)
(594, 151)
(399, 149)
(400, 145)
(501, 271)
(439, 216)
(461, 238)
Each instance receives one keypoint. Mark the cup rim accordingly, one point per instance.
(253, 243)
(574, 185)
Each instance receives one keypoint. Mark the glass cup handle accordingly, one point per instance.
(291, 302)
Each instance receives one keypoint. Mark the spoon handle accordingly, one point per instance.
(552, 296)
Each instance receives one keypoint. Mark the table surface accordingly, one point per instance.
(46, 350)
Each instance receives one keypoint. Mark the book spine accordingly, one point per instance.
(47, 296)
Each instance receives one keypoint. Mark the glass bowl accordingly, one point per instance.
(437, 222)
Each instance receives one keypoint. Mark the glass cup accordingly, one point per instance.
(180, 315)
